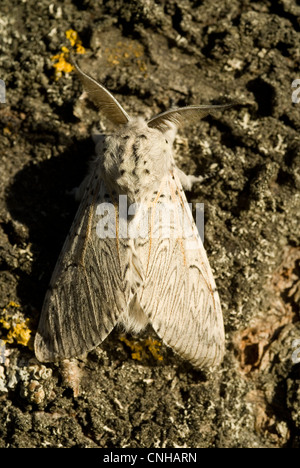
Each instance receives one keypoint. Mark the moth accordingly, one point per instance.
(159, 275)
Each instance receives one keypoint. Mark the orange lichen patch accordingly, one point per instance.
(253, 343)
(123, 52)
(135, 347)
(140, 349)
(61, 64)
(15, 329)
(154, 348)
(75, 42)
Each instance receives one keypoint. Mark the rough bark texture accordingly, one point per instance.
(152, 55)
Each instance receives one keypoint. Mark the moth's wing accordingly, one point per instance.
(179, 294)
(86, 292)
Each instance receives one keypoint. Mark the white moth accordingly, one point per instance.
(137, 276)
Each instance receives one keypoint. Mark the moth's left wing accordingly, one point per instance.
(87, 291)
(179, 294)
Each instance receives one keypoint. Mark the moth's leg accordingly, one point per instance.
(187, 181)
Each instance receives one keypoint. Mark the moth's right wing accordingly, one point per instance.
(86, 293)
(179, 293)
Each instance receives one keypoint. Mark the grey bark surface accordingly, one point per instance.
(152, 55)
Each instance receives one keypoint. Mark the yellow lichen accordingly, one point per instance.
(61, 64)
(17, 329)
(73, 37)
(153, 346)
(123, 52)
(80, 49)
(20, 333)
(140, 349)
(135, 347)
(13, 304)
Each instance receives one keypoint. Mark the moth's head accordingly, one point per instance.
(146, 139)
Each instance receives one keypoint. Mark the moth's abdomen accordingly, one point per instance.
(135, 320)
